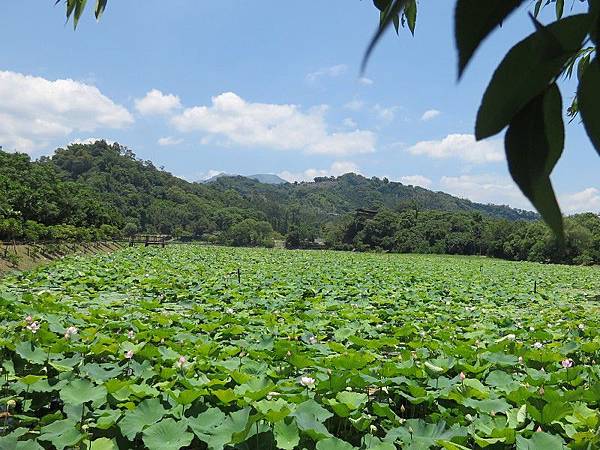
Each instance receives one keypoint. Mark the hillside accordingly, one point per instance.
(265, 178)
(95, 191)
(94, 184)
(336, 196)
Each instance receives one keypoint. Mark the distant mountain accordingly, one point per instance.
(265, 178)
(216, 177)
(328, 197)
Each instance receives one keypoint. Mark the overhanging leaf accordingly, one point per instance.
(534, 142)
(527, 70)
(474, 20)
(100, 7)
(410, 12)
(393, 9)
(589, 107)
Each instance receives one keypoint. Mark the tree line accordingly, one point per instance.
(88, 192)
(411, 231)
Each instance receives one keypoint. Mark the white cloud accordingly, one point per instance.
(272, 126)
(337, 168)
(91, 140)
(329, 72)
(349, 122)
(34, 110)
(430, 115)
(385, 114)
(416, 180)
(168, 141)
(462, 146)
(365, 81)
(587, 200)
(354, 105)
(157, 103)
(486, 188)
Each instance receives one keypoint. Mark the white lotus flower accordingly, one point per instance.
(272, 394)
(307, 382)
(70, 332)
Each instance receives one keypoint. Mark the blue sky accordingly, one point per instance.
(269, 87)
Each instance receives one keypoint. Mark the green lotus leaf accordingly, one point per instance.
(540, 441)
(82, 391)
(62, 433)
(167, 434)
(334, 444)
(286, 435)
(145, 414)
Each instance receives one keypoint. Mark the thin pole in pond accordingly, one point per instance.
(239, 274)
(535, 286)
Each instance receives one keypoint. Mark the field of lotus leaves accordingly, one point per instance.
(166, 349)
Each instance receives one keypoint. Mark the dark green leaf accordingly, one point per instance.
(393, 9)
(79, 8)
(534, 142)
(560, 6)
(538, 6)
(587, 97)
(410, 12)
(100, 7)
(527, 70)
(474, 20)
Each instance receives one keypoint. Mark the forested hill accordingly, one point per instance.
(332, 196)
(95, 184)
(95, 191)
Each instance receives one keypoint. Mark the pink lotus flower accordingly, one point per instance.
(520, 360)
(567, 363)
(129, 354)
(462, 376)
(539, 429)
(130, 334)
(71, 331)
(33, 327)
(181, 361)
(28, 319)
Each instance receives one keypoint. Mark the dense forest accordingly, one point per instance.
(102, 191)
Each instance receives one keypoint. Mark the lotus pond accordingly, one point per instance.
(167, 349)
